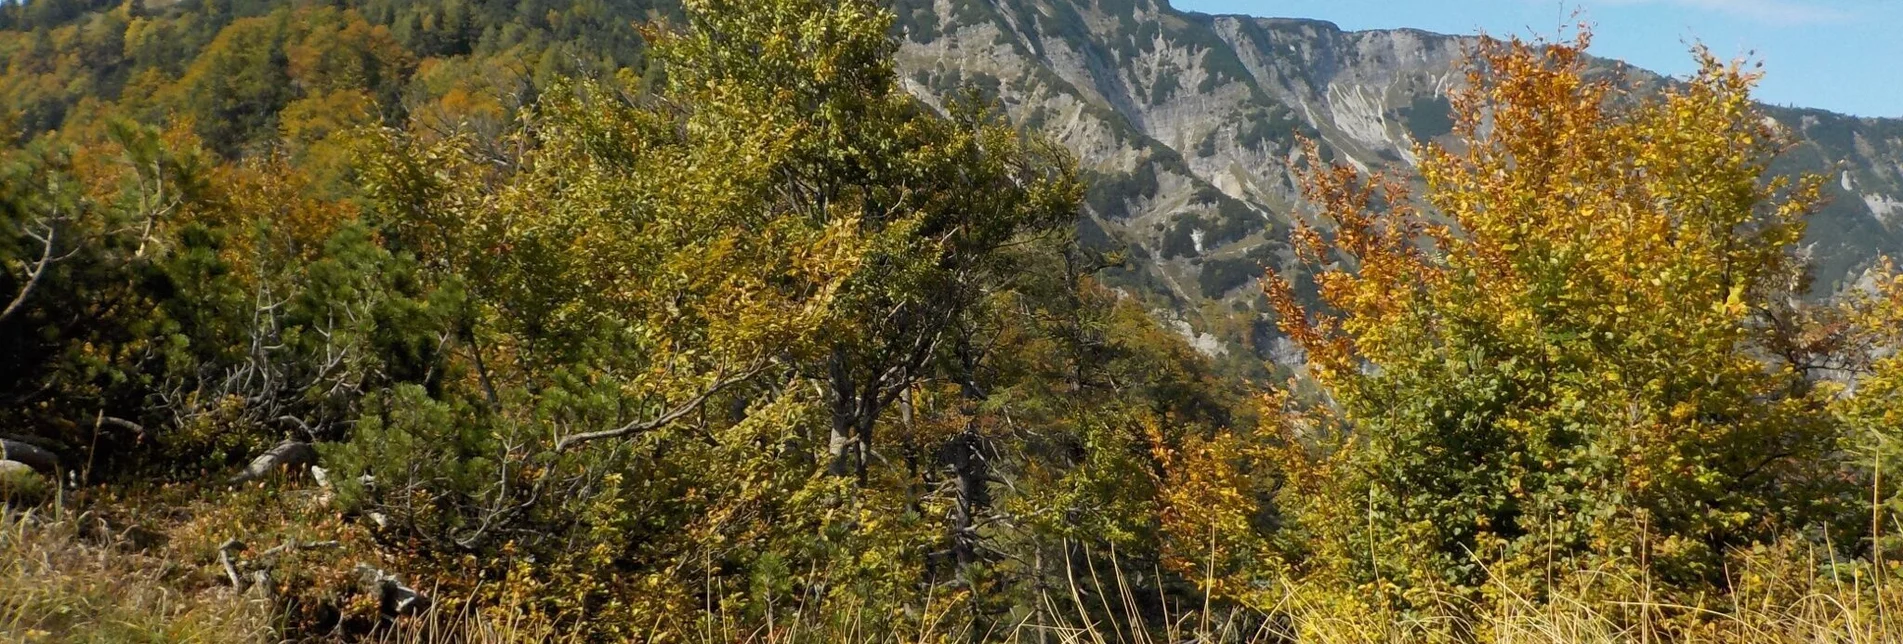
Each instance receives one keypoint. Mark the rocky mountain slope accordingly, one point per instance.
(1185, 124)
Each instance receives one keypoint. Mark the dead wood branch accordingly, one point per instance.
(287, 453)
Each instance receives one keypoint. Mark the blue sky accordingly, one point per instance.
(1840, 55)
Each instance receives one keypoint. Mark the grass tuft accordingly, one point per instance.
(56, 586)
(70, 579)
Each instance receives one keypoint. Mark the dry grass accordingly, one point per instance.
(476, 628)
(1804, 606)
(59, 585)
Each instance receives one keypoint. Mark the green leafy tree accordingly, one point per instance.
(1562, 375)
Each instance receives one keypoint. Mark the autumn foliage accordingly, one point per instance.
(1549, 358)
(705, 328)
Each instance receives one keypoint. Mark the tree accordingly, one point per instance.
(1859, 339)
(862, 149)
(1552, 366)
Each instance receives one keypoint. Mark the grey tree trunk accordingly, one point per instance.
(841, 444)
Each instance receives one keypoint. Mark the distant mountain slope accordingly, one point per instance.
(1185, 122)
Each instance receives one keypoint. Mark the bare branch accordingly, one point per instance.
(39, 270)
(294, 545)
(224, 558)
(641, 427)
(301, 425)
(123, 424)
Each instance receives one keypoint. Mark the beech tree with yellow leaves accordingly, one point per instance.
(1543, 362)
(666, 294)
(644, 320)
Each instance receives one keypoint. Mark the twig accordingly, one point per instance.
(39, 269)
(296, 545)
(124, 424)
(640, 427)
(224, 557)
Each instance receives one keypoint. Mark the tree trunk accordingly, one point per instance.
(965, 456)
(868, 417)
(840, 445)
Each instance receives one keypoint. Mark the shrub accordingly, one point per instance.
(1565, 378)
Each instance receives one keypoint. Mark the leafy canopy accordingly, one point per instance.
(1548, 359)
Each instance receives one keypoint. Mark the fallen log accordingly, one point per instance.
(34, 456)
(287, 453)
(393, 597)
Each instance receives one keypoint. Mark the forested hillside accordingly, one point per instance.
(1185, 124)
(808, 320)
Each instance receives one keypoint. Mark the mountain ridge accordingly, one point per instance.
(1186, 121)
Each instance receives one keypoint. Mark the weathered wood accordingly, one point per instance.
(394, 598)
(261, 564)
(34, 456)
(231, 569)
(287, 453)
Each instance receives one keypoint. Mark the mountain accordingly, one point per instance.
(1185, 123)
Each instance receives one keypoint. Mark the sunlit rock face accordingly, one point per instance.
(1185, 122)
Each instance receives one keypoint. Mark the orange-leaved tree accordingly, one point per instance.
(1543, 362)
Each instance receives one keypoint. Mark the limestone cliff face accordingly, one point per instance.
(1185, 123)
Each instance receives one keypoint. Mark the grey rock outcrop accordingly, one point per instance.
(1185, 123)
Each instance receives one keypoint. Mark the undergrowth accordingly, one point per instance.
(78, 577)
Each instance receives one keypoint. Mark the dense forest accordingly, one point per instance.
(589, 320)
